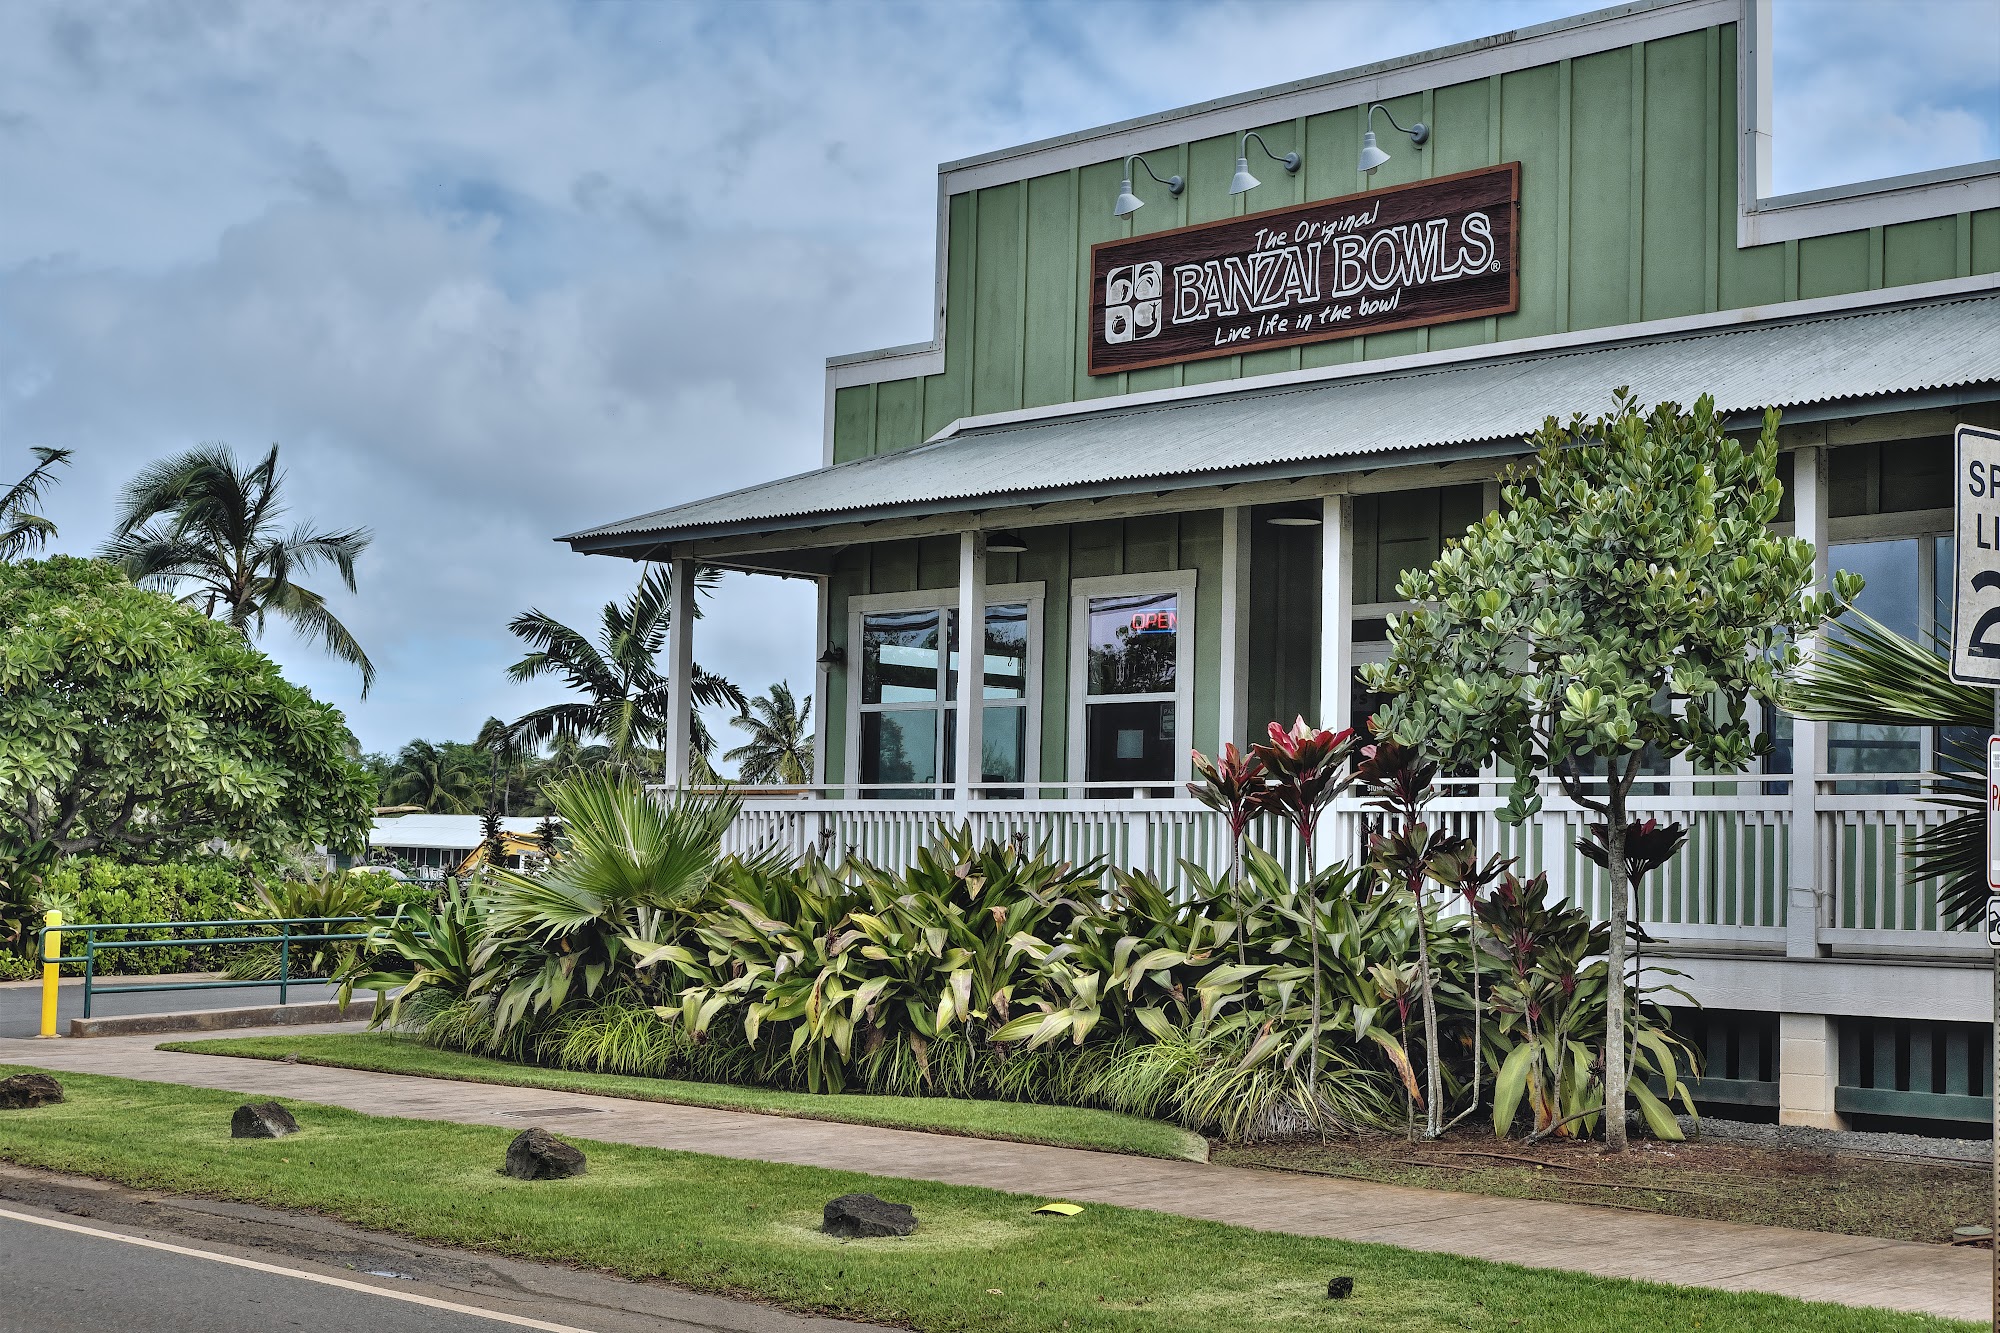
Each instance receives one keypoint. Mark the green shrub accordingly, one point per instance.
(93, 889)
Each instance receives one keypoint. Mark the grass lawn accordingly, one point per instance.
(1020, 1122)
(1728, 1180)
(982, 1260)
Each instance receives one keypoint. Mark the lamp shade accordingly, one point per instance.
(1128, 203)
(1006, 543)
(1243, 180)
(1371, 156)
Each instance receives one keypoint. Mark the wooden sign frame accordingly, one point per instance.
(1158, 258)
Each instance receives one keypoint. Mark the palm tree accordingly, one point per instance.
(433, 776)
(780, 746)
(1868, 673)
(198, 521)
(624, 692)
(22, 527)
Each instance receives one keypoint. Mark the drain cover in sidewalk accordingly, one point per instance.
(554, 1112)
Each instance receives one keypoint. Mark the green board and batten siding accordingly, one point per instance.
(1628, 213)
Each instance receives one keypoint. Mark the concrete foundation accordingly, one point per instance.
(1808, 1070)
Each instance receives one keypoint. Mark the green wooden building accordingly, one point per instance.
(1193, 400)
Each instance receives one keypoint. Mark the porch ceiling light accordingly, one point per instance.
(1129, 203)
(1244, 181)
(1006, 543)
(1371, 155)
(1297, 518)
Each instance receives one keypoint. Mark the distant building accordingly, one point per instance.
(433, 846)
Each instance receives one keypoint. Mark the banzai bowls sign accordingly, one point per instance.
(1428, 253)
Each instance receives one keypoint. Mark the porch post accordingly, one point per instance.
(971, 651)
(1336, 613)
(1803, 911)
(680, 670)
(1232, 671)
(822, 638)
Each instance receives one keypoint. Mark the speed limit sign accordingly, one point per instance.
(1975, 619)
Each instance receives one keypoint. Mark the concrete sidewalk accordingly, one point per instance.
(1819, 1266)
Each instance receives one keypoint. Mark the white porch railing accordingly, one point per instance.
(1727, 887)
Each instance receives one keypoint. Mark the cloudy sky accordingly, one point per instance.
(494, 270)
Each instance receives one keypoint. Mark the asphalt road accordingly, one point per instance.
(56, 1281)
(84, 1256)
(21, 1005)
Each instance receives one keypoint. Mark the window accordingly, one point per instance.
(1889, 519)
(1132, 684)
(904, 725)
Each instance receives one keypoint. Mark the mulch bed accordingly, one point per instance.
(1814, 1190)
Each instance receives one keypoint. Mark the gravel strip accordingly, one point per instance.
(1838, 1140)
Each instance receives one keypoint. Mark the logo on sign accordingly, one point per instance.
(1132, 303)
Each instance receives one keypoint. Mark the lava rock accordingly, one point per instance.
(23, 1091)
(261, 1120)
(855, 1215)
(536, 1154)
(1339, 1288)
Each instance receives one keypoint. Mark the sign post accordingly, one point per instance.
(1975, 660)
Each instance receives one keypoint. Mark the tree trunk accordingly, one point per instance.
(1312, 908)
(1433, 1082)
(1236, 893)
(1614, 1023)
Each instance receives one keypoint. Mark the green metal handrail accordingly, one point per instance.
(287, 936)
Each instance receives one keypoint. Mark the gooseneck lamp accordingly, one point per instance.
(1129, 203)
(1372, 155)
(1243, 180)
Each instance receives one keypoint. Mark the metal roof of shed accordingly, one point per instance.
(1332, 425)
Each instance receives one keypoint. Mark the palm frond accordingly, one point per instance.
(22, 529)
(306, 610)
(1867, 673)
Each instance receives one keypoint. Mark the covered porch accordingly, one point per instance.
(1174, 572)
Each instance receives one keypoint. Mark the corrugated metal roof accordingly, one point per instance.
(453, 832)
(1850, 355)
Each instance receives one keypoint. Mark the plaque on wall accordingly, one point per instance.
(1425, 253)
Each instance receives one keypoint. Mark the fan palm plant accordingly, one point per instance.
(22, 527)
(780, 748)
(1867, 673)
(629, 864)
(624, 691)
(204, 529)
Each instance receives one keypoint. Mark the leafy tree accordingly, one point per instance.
(206, 530)
(443, 779)
(1630, 594)
(624, 691)
(136, 728)
(780, 748)
(23, 528)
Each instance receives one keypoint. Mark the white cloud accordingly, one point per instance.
(493, 272)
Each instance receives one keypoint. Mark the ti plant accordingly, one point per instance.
(1309, 767)
(1234, 785)
(1410, 854)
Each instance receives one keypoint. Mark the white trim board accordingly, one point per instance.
(1656, 328)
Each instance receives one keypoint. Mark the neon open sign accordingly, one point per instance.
(1154, 622)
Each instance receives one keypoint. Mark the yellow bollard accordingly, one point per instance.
(51, 972)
